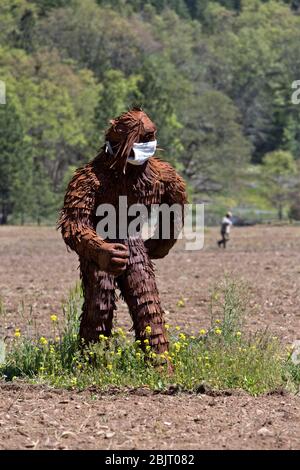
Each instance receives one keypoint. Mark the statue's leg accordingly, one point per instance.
(139, 290)
(99, 302)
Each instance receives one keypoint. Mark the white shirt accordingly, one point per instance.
(226, 221)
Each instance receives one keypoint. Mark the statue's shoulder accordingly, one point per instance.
(87, 176)
(165, 170)
(162, 168)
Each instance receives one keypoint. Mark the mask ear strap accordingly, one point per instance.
(108, 148)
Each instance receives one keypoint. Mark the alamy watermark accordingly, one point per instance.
(2, 92)
(159, 221)
(296, 95)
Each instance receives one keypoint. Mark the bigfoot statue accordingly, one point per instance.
(125, 166)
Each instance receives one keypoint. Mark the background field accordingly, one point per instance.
(35, 275)
(217, 78)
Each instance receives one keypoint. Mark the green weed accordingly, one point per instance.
(224, 357)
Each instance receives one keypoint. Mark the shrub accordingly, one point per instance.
(224, 357)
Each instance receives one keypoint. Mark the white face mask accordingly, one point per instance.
(142, 152)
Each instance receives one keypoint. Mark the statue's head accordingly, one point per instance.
(131, 139)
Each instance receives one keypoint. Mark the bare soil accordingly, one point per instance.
(36, 272)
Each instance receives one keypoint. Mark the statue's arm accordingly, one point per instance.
(174, 193)
(76, 222)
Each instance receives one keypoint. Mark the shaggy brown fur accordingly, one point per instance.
(126, 264)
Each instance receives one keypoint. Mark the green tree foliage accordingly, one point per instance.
(215, 76)
(280, 175)
(25, 188)
(159, 87)
(11, 144)
(116, 95)
(17, 20)
(45, 5)
(99, 39)
(215, 149)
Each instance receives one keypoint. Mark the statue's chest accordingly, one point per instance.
(124, 206)
(134, 191)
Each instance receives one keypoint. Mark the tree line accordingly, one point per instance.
(215, 76)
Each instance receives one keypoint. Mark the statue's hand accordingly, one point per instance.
(157, 249)
(113, 258)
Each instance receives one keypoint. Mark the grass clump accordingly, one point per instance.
(223, 357)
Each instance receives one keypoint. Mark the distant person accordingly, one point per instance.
(225, 229)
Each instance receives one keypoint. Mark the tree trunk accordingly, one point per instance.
(4, 215)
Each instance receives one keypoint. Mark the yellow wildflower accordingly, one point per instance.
(177, 328)
(167, 326)
(217, 320)
(182, 336)
(193, 337)
(218, 331)
(202, 332)
(138, 355)
(180, 303)
(165, 355)
(53, 318)
(109, 366)
(238, 334)
(146, 341)
(17, 333)
(148, 329)
(43, 341)
(121, 332)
